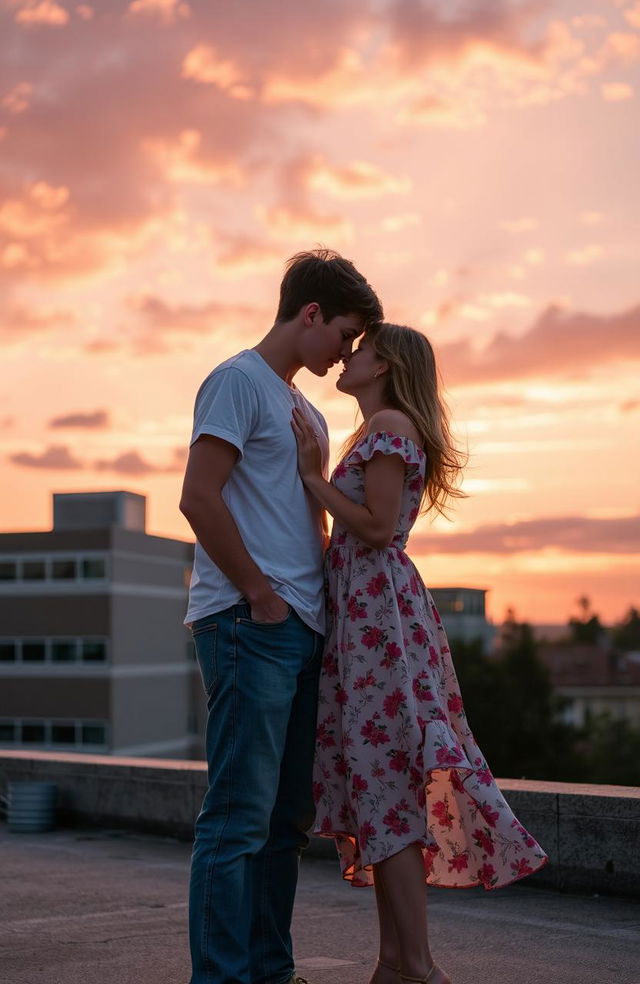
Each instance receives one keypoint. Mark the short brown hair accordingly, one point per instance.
(323, 276)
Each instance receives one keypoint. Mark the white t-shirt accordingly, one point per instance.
(246, 403)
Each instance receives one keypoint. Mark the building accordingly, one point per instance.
(463, 613)
(93, 653)
(594, 679)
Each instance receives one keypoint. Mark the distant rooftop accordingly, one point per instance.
(99, 510)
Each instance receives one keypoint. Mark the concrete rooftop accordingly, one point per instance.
(106, 907)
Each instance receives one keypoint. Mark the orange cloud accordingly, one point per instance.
(632, 15)
(628, 406)
(585, 255)
(421, 33)
(359, 179)
(167, 10)
(45, 12)
(525, 224)
(616, 91)
(17, 99)
(294, 212)
(203, 64)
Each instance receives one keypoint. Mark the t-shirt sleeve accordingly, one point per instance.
(226, 407)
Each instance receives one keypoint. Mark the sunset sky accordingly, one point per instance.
(478, 160)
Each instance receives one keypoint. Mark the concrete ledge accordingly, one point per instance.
(591, 833)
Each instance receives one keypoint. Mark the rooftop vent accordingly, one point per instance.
(98, 510)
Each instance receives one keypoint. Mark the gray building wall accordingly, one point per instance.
(143, 691)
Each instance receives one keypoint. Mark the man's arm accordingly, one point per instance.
(209, 466)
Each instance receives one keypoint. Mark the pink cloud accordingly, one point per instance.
(558, 343)
(158, 314)
(571, 534)
(56, 457)
(18, 321)
(132, 463)
(423, 32)
(243, 251)
(94, 420)
(294, 211)
(95, 130)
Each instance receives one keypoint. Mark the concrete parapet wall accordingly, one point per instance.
(591, 833)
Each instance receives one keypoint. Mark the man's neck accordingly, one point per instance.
(277, 350)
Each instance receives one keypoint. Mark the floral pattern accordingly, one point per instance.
(396, 761)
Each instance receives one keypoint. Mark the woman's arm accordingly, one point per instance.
(374, 522)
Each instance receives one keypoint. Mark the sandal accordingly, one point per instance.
(387, 966)
(381, 963)
(418, 980)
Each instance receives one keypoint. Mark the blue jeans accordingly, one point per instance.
(261, 683)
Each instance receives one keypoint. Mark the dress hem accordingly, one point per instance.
(350, 876)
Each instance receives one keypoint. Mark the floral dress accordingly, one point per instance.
(396, 762)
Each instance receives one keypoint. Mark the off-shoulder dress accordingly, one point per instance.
(396, 761)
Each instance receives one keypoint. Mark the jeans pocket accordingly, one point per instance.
(267, 625)
(205, 639)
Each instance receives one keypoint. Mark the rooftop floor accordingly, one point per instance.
(105, 907)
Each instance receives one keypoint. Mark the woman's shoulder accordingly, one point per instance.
(391, 421)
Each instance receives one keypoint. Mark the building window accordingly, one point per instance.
(50, 733)
(53, 651)
(33, 733)
(93, 734)
(34, 570)
(34, 651)
(93, 651)
(8, 652)
(64, 570)
(94, 568)
(64, 650)
(63, 733)
(82, 567)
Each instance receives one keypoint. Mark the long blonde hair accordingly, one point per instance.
(412, 386)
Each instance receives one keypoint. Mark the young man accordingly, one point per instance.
(256, 609)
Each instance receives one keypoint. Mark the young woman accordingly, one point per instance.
(400, 782)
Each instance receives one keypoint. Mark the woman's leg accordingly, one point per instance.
(389, 949)
(402, 879)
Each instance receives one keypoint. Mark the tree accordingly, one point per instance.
(586, 630)
(612, 751)
(626, 635)
(513, 711)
